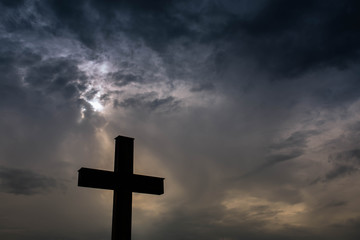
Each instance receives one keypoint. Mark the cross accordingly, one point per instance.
(124, 182)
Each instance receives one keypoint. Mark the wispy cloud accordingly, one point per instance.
(25, 182)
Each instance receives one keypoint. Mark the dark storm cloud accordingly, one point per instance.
(284, 38)
(26, 77)
(25, 182)
(149, 102)
(291, 38)
(285, 150)
(13, 57)
(344, 163)
(272, 160)
(339, 171)
(335, 204)
(10, 3)
(120, 79)
(278, 158)
(295, 140)
(22, 69)
(57, 75)
(203, 87)
(346, 157)
(88, 19)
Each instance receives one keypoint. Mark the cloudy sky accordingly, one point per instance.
(250, 110)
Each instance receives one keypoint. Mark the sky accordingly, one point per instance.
(250, 110)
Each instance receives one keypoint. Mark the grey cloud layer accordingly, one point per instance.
(236, 100)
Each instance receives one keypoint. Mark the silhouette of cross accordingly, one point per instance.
(124, 182)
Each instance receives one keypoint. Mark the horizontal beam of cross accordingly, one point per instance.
(111, 180)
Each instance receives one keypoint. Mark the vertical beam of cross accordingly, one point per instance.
(123, 166)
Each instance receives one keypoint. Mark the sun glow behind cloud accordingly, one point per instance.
(96, 72)
(96, 104)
